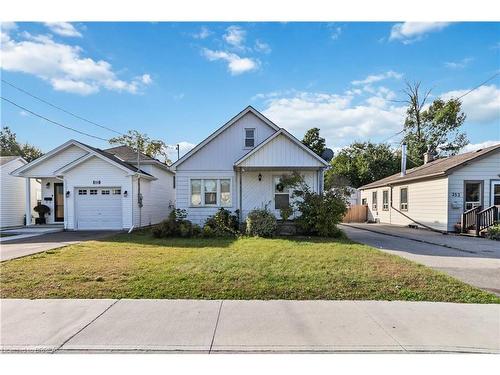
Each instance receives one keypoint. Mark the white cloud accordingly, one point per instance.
(235, 36)
(63, 66)
(7, 26)
(377, 78)
(235, 64)
(203, 33)
(409, 32)
(336, 31)
(340, 119)
(459, 64)
(63, 29)
(184, 148)
(262, 47)
(481, 105)
(477, 146)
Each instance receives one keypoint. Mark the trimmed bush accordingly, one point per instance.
(493, 233)
(176, 225)
(261, 223)
(222, 224)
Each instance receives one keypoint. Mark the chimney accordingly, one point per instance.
(428, 156)
(403, 159)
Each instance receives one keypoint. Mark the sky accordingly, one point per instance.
(178, 82)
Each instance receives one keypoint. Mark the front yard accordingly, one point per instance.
(140, 266)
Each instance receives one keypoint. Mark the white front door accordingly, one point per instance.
(98, 208)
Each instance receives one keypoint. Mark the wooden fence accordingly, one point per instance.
(356, 214)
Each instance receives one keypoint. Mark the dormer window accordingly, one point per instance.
(249, 137)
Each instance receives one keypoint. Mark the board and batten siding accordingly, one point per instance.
(221, 152)
(13, 195)
(280, 149)
(83, 176)
(427, 204)
(47, 167)
(486, 170)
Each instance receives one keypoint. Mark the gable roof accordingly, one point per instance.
(96, 151)
(200, 145)
(274, 136)
(7, 159)
(434, 169)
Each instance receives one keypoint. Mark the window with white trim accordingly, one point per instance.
(93, 191)
(281, 194)
(105, 192)
(374, 201)
(117, 191)
(249, 137)
(82, 192)
(211, 192)
(403, 199)
(385, 200)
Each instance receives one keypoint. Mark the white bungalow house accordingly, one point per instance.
(239, 167)
(13, 193)
(440, 194)
(89, 188)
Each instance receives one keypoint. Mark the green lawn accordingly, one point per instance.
(139, 266)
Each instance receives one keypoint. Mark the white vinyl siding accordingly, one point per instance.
(13, 195)
(46, 167)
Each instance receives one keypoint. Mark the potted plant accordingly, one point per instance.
(41, 210)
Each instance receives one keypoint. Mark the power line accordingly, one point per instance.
(52, 121)
(59, 108)
(478, 86)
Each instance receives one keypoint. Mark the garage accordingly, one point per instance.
(98, 208)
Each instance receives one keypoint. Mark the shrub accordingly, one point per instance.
(222, 224)
(42, 210)
(493, 233)
(286, 212)
(261, 223)
(175, 225)
(319, 213)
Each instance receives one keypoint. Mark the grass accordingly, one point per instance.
(139, 266)
(3, 234)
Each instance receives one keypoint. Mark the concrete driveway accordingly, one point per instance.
(32, 245)
(211, 326)
(475, 261)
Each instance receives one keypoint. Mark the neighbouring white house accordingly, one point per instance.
(89, 188)
(13, 193)
(239, 167)
(438, 193)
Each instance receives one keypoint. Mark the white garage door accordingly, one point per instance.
(98, 208)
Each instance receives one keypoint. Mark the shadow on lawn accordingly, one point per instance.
(145, 238)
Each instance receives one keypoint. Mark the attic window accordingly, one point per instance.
(249, 137)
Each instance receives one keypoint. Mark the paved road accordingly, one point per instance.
(477, 265)
(32, 245)
(247, 326)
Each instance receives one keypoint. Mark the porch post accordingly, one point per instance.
(240, 197)
(28, 201)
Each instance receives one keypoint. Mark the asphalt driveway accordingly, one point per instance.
(32, 245)
(473, 260)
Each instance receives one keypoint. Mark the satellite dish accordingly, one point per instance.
(327, 155)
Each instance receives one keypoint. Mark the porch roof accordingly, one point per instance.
(281, 151)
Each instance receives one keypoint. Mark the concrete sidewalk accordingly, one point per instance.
(247, 326)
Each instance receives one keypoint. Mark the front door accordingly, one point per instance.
(495, 195)
(58, 202)
(473, 194)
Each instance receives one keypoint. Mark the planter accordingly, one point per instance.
(40, 220)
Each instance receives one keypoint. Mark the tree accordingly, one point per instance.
(154, 148)
(435, 129)
(314, 141)
(9, 146)
(362, 163)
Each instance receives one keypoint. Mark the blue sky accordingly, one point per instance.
(180, 81)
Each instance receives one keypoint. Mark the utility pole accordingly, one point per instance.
(139, 196)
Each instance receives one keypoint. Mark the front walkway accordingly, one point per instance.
(21, 247)
(475, 261)
(247, 326)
